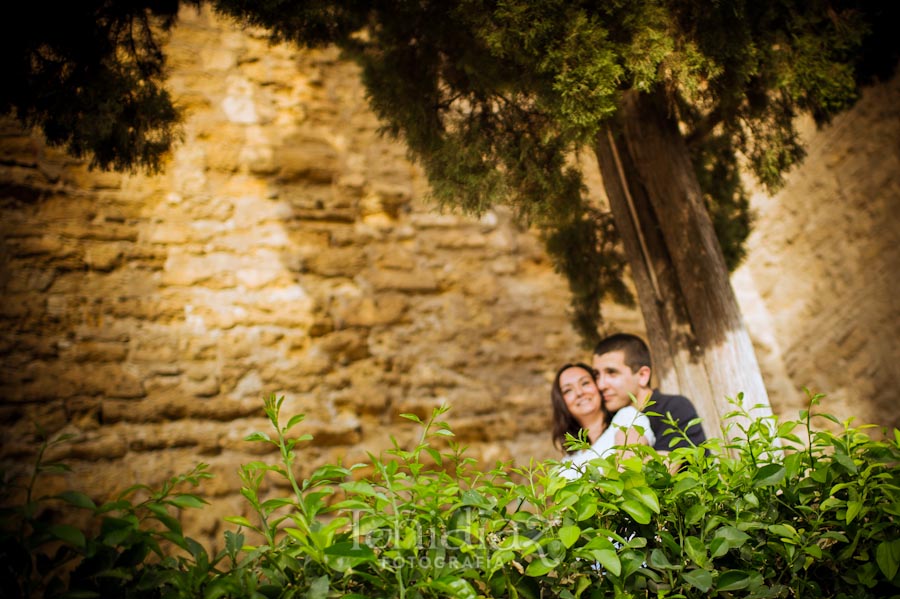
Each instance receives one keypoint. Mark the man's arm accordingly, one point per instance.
(682, 411)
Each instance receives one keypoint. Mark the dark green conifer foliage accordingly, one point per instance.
(90, 74)
(492, 97)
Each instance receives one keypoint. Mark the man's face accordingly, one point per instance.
(616, 380)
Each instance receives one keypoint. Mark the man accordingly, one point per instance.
(622, 363)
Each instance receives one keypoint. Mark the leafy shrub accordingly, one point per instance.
(771, 516)
(127, 554)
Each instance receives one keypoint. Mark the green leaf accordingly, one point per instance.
(55, 467)
(813, 550)
(836, 535)
(359, 487)
(412, 417)
(435, 455)
(732, 536)
(115, 530)
(313, 504)
(239, 520)
(519, 543)
(608, 558)
(612, 486)
(186, 500)
(600, 543)
(68, 533)
(637, 510)
(684, 485)
(585, 507)
(659, 560)
(162, 514)
(475, 499)
(328, 472)
(694, 514)
(259, 436)
(569, 534)
(888, 557)
(111, 506)
(294, 421)
(233, 542)
(635, 542)
(717, 548)
(273, 504)
(352, 504)
(793, 464)
(219, 588)
(784, 531)
(541, 566)
(348, 554)
(77, 499)
(696, 550)
(732, 580)
(699, 579)
(768, 475)
(853, 509)
(453, 586)
(632, 561)
(845, 461)
(318, 588)
(197, 550)
(751, 499)
(645, 495)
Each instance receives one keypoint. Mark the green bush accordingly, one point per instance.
(771, 516)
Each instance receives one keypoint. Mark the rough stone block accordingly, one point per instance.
(105, 445)
(337, 262)
(347, 345)
(103, 258)
(393, 280)
(345, 430)
(311, 159)
(98, 351)
(117, 383)
(51, 381)
(368, 311)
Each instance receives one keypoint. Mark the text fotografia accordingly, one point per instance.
(437, 562)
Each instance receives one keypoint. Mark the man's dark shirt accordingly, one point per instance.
(682, 411)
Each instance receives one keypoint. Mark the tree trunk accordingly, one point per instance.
(698, 340)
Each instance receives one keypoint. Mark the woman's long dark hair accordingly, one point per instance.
(563, 421)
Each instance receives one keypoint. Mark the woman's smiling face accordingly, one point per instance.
(580, 393)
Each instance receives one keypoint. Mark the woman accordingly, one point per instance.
(577, 404)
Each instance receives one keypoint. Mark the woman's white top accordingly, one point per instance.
(627, 417)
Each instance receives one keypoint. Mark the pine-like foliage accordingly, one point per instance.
(90, 74)
(493, 96)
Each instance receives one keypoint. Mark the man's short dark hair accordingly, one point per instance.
(636, 352)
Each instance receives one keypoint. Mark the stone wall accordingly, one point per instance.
(287, 249)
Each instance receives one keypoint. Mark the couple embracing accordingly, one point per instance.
(608, 400)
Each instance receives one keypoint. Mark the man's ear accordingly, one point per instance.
(644, 376)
